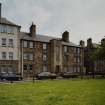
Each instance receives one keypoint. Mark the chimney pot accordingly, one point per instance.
(65, 36)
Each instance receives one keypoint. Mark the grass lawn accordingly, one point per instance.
(54, 92)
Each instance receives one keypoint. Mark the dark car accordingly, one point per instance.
(3, 76)
(69, 75)
(46, 75)
(10, 77)
(14, 77)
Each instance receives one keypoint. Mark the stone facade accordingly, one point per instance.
(49, 54)
(31, 53)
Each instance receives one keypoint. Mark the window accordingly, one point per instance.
(25, 44)
(65, 69)
(30, 56)
(25, 67)
(8, 29)
(31, 44)
(25, 56)
(75, 69)
(78, 59)
(10, 42)
(3, 69)
(78, 69)
(44, 57)
(44, 68)
(4, 55)
(10, 69)
(75, 49)
(65, 48)
(66, 58)
(30, 67)
(3, 28)
(10, 55)
(4, 42)
(44, 46)
(57, 53)
(75, 59)
(78, 50)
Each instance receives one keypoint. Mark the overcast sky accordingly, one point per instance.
(82, 18)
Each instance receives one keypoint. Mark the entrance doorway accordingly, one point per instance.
(57, 69)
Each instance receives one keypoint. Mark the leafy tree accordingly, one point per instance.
(99, 53)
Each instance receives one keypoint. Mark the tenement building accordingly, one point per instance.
(9, 46)
(40, 53)
(96, 67)
(29, 53)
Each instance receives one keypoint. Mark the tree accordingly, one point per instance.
(99, 53)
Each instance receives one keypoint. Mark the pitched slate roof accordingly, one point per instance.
(7, 22)
(43, 38)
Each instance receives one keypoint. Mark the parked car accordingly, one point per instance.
(3, 76)
(10, 76)
(69, 75)
(46, 75)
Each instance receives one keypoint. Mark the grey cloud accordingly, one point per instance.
(83, 18)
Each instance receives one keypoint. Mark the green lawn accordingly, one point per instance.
(54, 92)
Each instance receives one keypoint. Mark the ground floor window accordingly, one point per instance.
(28, 67)
(75, 69)
(44, 68)
(7, 69)
(65, 69)
(10, 69)
(25, 67)
(78, 69)
(3, 69)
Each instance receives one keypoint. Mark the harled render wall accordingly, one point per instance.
(6, 64)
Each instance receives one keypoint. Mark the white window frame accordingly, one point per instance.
(4, 42)
(25, 44)
(31, 45)
(11, 56)
(44, 57)
(30, 56)
(44, 46)
(25, 56)
(10, 42)
(4, 55)
(65, 49)
(45, 68)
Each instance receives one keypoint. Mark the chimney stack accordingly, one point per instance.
(82, 43)
(103, 41)
(65, 36)
(89, 43)
(33, 30)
